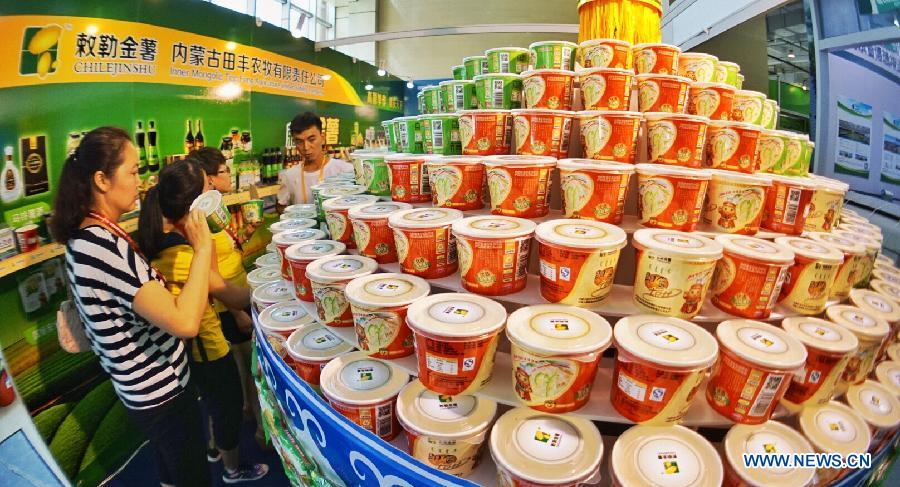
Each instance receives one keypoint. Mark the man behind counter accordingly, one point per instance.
(296, 182)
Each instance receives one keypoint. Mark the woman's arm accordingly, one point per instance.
(233, 297)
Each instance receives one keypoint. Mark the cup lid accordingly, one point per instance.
(860, 322)
(803, 182)
(493, 226)
(376, 211)
(297, 215)
(876, 304)
(337, 268)
(553, 43)
(666, 170)
(867, 241)
(539, 111)
(291, 237)
(835, 428)
(474, 58)
(331, 184)
(284, 316)
(532, 72)
(833, 184)
(677, 244)
(645, 45)
(888, 375)
(403, 157)
(424, 218)
(484, 76)
(486, 111)
(770, 437)
(451, 82)
(841, 243)
(358, 379)
(739, 178)
(439, 160)
(810, 249)
(893, 352)
(581, 234)
(754, 94)
(589, 71)
(762, 344)
(343, 190)
(756, 248)
(310, 251)
(428, 413)
(316, 343)
(711, 84)
(594, 165)
(292, 224)
(524, 160)
(386, 290)
(270, 259)
(654, 116)
(609, 114)
(665, 455)
(262, 275)
(456, 315)
(347, 202)
(875, 403)
(668, 341)
(543, 448)
(273, 292)
(555, 329)
(596, 42)
(504, 49)
(207, 201)
(821, 334)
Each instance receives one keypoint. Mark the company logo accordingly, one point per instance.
(39, 51)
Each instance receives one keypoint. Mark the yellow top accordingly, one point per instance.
(231, 264)
(174, 262)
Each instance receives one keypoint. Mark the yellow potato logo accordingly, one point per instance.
(39, 51)
(770, 448)
(671, 467)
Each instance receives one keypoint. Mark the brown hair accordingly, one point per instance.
(210, 158)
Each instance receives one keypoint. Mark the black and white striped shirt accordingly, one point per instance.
(148, 366)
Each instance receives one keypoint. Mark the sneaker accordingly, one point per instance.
(213, 455)
(246, 473)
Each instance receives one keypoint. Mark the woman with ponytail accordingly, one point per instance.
(162, 236)
(134, 324)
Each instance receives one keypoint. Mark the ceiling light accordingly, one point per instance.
(381, 72)
(805, 86)
(326, 77)
(410, 84)
(791, 54)
(231, 45)
(369, 87)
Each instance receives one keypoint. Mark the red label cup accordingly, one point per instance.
(283, 240)
(456, 182)
(655, 58)
(662, 93)
(542, 132)
(735, 202)
(606, 88)
(610, 135)
(373, 237)
(485, 132)
(594, 190)
(27, 238)
(493, 253)
(408, 178)
(712, 100)
(749, 276)
(519, 185)
(548, 88)
(671, 197)
(300, 255)
(732, 146)
(605, 53)
(675, 139)
(787, 204)
(425, 245)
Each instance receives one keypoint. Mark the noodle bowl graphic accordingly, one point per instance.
(577, 190)
(749, 109)
(655, 196)
(379, 330)
(645, 61)
(534, 88)
(648, 94)
(597, 133)
(464, 251)
(723, 145)
(700, 70)
(592, 89)
(466, 129)
(446, 181)
(662, 137)
(499, 184)
(770, 151)
(599, 56)
(521, 129)
(402, 245)
(361, 234)
(548, 379)
(337, 225)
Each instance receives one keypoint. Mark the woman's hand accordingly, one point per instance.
(196, 230)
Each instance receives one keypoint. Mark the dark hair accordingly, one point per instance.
(100, 150)
(179, 185)
(210, 159)
(304, 121)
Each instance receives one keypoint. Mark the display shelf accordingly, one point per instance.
(245, 196)
(485, 474)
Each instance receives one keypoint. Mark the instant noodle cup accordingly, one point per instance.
(727, 72)
(578, 260)
(867, 263)
(391, 134)
(542, 132)
(365, 391)
(664, 455)
(373, 237)
(787, 204)
(769, 438)
(868, 231)
(834, 428)
(519, 185)
(444, 432)
(660, 363)
(335, 190)
(881, 274)
(440, 134)
(605, 53)
(870, 330)
(878, 305)
(270, 259)
(732, 146)
(555, 353)
(212, 204)
(828, 350)
(298, 215)
(508, 59)
(252, 211)
(884, 260)
(808, 281)
(697, 66)
(548, 88)
(671, 197)
(420, 98)
(456, 336)
(498, 91)
(793, 158)
(374, 176)
(456, 182)
(301, 208)
(655, 58)
(675, 139)
(594, 190)
(475, 65)
(329, 277)
(712, 100)
(553, 55)
(284, 240)
(493, 253)
(458, 95)
(338, 219)
(849, 271)
(459, 72)
(310, 348)
(888, 375)
(605, 88)
(425, 245)
(749, 276)
(808, 151)
(879, 407)
(735, 202)
(532, 448)
(263, 275)
(755, 366)
(279, 320)
(772, 151)
(292, 225)
(770, 114)
(300, 255)
(378, 303)
(748, 107)
(271, 293)
(408, 178)
(826, 204)
(662, 93)
(673, 271)
(485, 132)
(610, 135)
(740, 81)
(431, 97)
(409, 137)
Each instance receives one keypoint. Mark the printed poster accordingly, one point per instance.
(890, 158)
(854, 138)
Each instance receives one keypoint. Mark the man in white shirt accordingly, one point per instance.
(306, 129)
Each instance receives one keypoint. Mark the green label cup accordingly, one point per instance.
(727, 72)
(408, 138)
(441, 134)
(508, 60)
(553, 55)
(459, 72)
(458, 95)
(252, 211)
(420, 97)
(475, 65)
(498, 91)
(431, 98)
(770, 114)
(212, 205)
(375, 176)
(771, 151)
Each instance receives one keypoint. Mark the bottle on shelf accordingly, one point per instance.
(152, 148)
(72, 143)
(12, 179)
(189, 138)
(199, 142)
(141, 139)
(266, 159)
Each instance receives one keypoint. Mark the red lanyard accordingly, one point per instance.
(119, 231)
(303, 178)
(237, 243)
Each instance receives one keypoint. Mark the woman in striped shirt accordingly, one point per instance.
(134, 324)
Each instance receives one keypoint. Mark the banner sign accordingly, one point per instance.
(344, 453)
(53, 49)
(878, 6)
(890, 156)
(854, 137)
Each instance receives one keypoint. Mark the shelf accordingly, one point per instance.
(245, 196)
